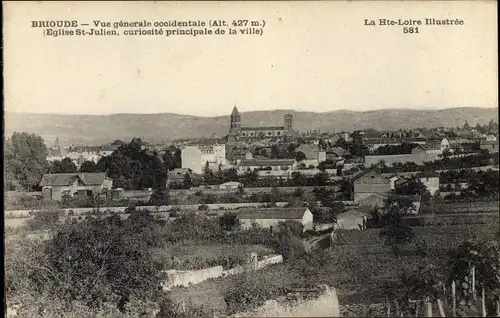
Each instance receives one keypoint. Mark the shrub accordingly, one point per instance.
(110, 265)
(46, 219)
(249, 290)
(229, 221)
(202, 207)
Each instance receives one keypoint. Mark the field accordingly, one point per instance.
(360, 266)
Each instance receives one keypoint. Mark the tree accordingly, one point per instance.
(90, 166)
(229, 221)
(63, 166)
(230, 175)
(207, 174)
(320, 178)
(413, 186)
(95, 262)
(25, 160)
(220, 174)
(397, 234)
(342, 143)
(298, 179)
(187, 183)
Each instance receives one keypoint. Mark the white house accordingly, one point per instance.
(196, 157)
(310, 155)
(271, 164)
(430, 180)
(230, 185)
(351, 220)
(271, 217)
(56, 185)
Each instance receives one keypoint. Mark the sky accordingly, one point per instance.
(312, 56)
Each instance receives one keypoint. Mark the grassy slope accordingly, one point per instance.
(359, 267)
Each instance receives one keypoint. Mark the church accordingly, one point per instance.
(236, 132)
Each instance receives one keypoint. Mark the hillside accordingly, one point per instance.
(97, 129)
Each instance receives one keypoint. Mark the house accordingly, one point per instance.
(351, 220)
(491, 137)
(195, 157)
(56, 185)
(491, 146)
(230, 185)
(418, 155)
(368, 183)
(271, 217)
(177, 175)
(431, 181)
(309, 155)
(269, 164)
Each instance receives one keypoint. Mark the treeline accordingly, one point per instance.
(402, 149)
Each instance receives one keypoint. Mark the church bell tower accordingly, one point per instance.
(235, 124)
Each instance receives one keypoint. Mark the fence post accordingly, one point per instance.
(473, 287)
(429, 308)
(454, 299)
(483, 304)
(388, 308)
(441, 310)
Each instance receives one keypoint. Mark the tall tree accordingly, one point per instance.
(90, 166)
(188, 183)
(63, 166)
(25, 159)
(207, 174)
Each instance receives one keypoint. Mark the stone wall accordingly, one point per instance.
(187, 278)
(177, 278)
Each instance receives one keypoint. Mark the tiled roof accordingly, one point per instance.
(309, 150)
(489, 142)
(65, 179)
(263, 128)
(428, 174)
(270, 162)
(270, 213)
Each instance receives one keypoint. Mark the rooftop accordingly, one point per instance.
(269, 162)
(271, 213)
(65, 179)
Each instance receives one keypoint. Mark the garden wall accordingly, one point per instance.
(177, 278)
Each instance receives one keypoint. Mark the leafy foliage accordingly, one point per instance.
(132, 167)
(25, 160)
(229, 221)
(63, 166)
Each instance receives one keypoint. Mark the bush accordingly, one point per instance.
(96, 263)
(250, 290)
(202, 207)
(46, 219)
(229, 221)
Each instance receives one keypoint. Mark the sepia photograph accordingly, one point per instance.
(169, 159)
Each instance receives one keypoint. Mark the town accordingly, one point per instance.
(332, 208)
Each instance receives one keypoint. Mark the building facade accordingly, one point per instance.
(57, 185)
(237, 132)
(370, 183)
(196, 157)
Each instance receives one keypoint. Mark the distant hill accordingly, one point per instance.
(98, 129)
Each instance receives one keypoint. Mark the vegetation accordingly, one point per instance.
(25, 161)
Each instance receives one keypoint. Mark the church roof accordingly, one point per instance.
(235, 112)
(263, 128)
